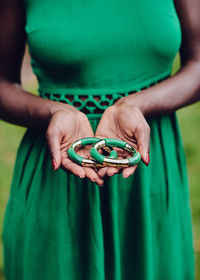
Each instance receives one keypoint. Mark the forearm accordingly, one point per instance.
(176, 92)
(22, 108)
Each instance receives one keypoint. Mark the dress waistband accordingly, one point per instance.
(92, 104)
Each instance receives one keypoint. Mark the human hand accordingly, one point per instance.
(65, 127)
(125, 122)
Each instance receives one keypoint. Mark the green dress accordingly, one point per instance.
(58, 226)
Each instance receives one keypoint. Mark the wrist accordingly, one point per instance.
(132, 101)
(42, 115)
(54, 107)
(58, 107)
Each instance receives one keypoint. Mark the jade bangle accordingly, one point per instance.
(84, 161)
(115, 162)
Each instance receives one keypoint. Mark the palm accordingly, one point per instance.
(64, 129)
(125, 125)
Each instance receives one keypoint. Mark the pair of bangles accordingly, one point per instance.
(100, 160)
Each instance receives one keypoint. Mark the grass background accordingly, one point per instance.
(189, 118)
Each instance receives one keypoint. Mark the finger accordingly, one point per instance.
(102, 172)
(72, 167)
(53, 140)
(90, 173)
(112, 171)
(93, 176)
(143, 140)
(115, 170)
(128, 171)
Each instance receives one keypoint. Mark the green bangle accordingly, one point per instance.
(115, 162)
(84, 161)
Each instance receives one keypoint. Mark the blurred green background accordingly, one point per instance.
(189, 118)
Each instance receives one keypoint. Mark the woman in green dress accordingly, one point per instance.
(103, 69)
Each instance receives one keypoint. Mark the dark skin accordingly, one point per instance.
(64, 124)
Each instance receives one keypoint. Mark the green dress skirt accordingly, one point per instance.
(58, 226)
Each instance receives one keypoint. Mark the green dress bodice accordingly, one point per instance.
(101, 46)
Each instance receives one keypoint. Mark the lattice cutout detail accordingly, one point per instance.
(90, 104)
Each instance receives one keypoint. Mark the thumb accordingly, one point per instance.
(53, 140)
(143, 140)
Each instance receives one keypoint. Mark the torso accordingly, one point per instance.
(108, 44)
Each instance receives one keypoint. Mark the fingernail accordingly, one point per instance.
(82, 176)
(53, 163)
(147, 159)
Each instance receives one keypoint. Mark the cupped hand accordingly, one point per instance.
(127, 123)
(65, 127)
